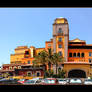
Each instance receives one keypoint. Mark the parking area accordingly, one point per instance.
(46, 81)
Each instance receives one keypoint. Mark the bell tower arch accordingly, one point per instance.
(61, 37)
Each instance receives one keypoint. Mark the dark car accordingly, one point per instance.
(9, 82)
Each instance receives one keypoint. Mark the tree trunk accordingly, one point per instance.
(49, 65)
(44, 69)
(56, 68)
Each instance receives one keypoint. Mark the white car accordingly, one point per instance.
(32, 82)
(88, 82)
(75, 81)
(62, 81)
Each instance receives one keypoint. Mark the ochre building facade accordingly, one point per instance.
(77, 54)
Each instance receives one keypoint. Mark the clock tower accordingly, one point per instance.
(61, 37)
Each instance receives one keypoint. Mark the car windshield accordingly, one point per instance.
(21, 79)
(30, 81)
(89, 80)
(61, 80)
(50, 81)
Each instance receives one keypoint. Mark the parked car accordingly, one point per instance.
(49, 81)
(75, 81)
(9, 81)
(87, 82)
(22, 81)
(32, 82)
(62, 81)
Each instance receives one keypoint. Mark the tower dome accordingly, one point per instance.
(60, 20)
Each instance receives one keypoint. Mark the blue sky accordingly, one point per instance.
(33, 26)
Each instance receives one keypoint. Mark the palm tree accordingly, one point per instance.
(57, 59)
(49, 58)
(41, 58)
(34, 64)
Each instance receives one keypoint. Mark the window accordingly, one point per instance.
(78, 55)
(59, 46)
(15, 67)
(38, 74)
(60, 30)
(90, 54)
(28, 61)
(27, 52)
(39, 53)
(90, 60)
(70, 54)
(82, 54)
(29, 73)
(60, 39)
(74, 54)
(60, 53)
(49, 45)
(10, 68)
(19, 67)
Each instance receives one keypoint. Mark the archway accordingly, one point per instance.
(76, 73)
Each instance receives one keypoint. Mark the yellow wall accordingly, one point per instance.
(16, 57)
(85, 67)
(39, 50)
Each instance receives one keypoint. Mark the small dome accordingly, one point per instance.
(60, 20)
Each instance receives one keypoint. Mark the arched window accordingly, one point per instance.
(19, 67)
(29, 73)
(14, 67)
(78, 55)
(60, 30)
(38, 73)
(70, 54)
(74, 54)
(10, 68)
(82, 54)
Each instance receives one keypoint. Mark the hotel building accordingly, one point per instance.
(77, 54)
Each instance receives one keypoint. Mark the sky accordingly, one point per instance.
(33, 26)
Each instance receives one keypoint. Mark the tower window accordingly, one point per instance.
(60, 53)
(49, 45)
(90, 60)
(60, 46)
(74, 54)
(28, 61)
(60, 30)
(60, 39)
(70, 54)
(90, 54)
